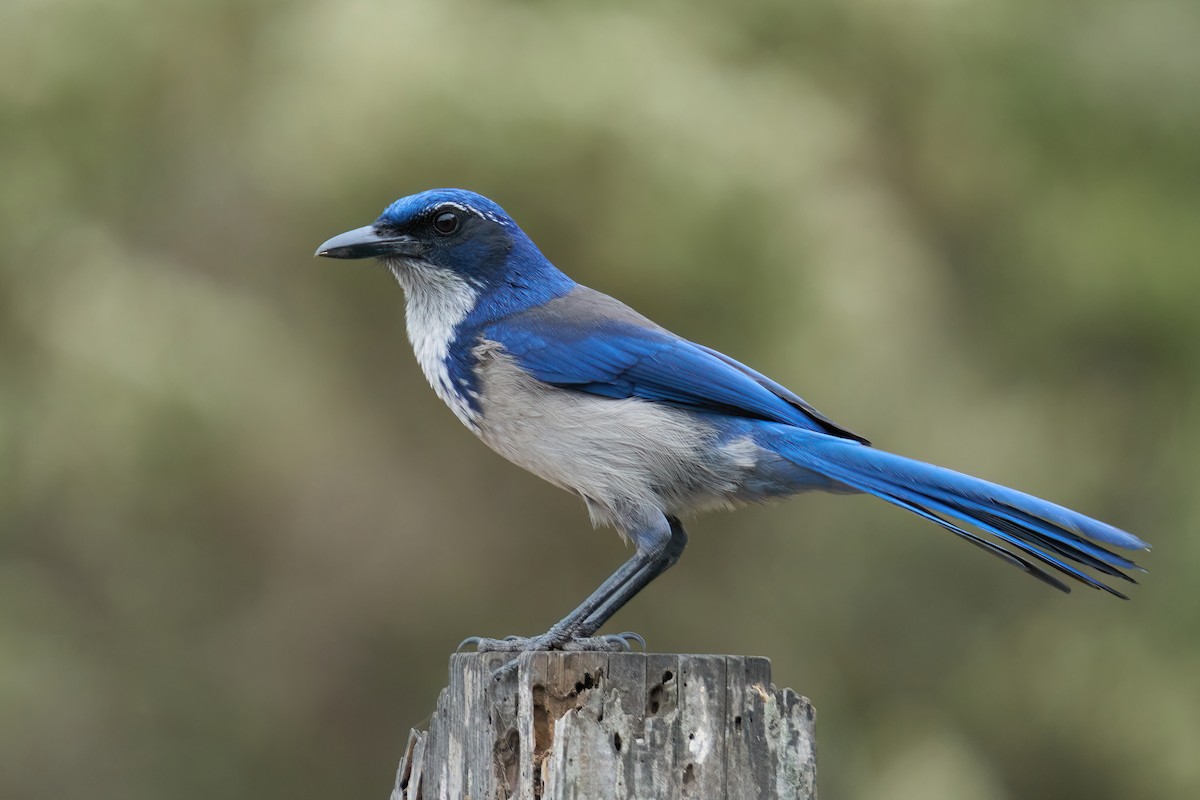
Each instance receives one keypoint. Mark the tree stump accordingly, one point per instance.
(612, 725)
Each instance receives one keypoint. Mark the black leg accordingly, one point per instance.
(632, 576)
(640, 580)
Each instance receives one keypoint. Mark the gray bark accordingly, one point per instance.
(612, 725)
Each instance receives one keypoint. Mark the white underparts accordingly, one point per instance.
(436, 302)
(630, 460)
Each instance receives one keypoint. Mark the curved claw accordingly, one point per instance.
(630, 637)
(619, 640)
(470, 640)
(488, 643)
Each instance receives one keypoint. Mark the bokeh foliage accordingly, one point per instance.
(239, 535)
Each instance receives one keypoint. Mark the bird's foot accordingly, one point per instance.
(612, 643)
(524, 646)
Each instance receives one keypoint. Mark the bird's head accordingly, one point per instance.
(449, 230)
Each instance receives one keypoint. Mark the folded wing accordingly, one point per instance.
(589, 342)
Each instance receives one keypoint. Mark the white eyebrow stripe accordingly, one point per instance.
(476, 211)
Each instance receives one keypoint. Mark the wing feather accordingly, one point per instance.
(589, 342)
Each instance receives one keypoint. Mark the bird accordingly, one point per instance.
(647, 427)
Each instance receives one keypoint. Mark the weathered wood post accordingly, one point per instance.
(612, 725)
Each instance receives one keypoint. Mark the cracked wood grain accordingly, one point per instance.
(612, 725)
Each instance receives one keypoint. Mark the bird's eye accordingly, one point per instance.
(445, 223)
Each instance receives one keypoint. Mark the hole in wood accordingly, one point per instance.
(654, 699)
(588, 682)
(660, 698)
(667, 676)
(617, 741)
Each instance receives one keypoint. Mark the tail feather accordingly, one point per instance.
(1083, 553)
(1020, 523)
(1041, 530)
(1023, 538)
(989, 547)
(1002, 519)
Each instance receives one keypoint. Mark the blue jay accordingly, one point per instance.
(646, 426)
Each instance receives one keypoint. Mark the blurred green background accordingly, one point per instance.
(240, 535)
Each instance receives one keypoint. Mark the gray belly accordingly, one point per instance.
(626, 458)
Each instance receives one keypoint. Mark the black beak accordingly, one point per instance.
(369, 242)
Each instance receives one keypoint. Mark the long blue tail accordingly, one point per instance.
(1044, 531)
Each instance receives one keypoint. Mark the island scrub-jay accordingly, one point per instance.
(645, 426)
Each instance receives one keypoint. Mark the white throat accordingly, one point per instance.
(436, 301)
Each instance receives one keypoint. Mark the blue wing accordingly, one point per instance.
(589, 342)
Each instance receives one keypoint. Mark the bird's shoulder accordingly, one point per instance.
(582, 310)
(588, 341)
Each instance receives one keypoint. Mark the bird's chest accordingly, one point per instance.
(615, 453)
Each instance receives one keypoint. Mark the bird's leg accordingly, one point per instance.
(638, 581)
(575, 631)
(563, 634)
